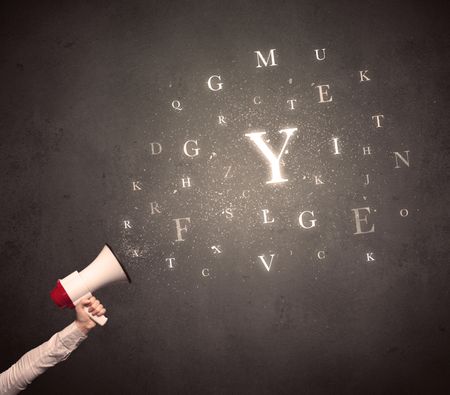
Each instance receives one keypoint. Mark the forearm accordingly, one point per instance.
(36, 361)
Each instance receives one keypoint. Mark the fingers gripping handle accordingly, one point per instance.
(101, 320)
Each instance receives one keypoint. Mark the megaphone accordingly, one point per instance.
(105, 269)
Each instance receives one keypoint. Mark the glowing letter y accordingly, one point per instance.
(273, 160)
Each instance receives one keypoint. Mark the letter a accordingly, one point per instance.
(267, 152)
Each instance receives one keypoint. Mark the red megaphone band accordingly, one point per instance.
(60, 297)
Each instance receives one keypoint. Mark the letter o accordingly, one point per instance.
(404, 212)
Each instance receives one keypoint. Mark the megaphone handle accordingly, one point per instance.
(101, 320)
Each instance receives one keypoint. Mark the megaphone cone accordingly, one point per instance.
(105, 269)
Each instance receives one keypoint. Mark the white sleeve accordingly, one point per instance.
(38, 360)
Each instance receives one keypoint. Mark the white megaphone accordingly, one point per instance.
(105, 269)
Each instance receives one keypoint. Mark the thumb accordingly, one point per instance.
(86, 301)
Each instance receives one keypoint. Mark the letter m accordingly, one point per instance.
(265, 61)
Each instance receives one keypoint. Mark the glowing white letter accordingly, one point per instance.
(219, 84)
(273, 160)
(153, 148)
(317, 54)
(265, 62)
(266, 219)
(358, 221)
(195, 150)
(323, 94)
(403, 159)
(263, 260)
(312, 221)
(181, 229)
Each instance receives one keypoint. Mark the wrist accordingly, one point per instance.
(85, 326)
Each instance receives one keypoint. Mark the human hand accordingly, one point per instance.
(83, 321)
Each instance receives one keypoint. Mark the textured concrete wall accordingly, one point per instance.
(86, 89)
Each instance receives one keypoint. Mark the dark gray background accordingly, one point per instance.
(87, 86)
